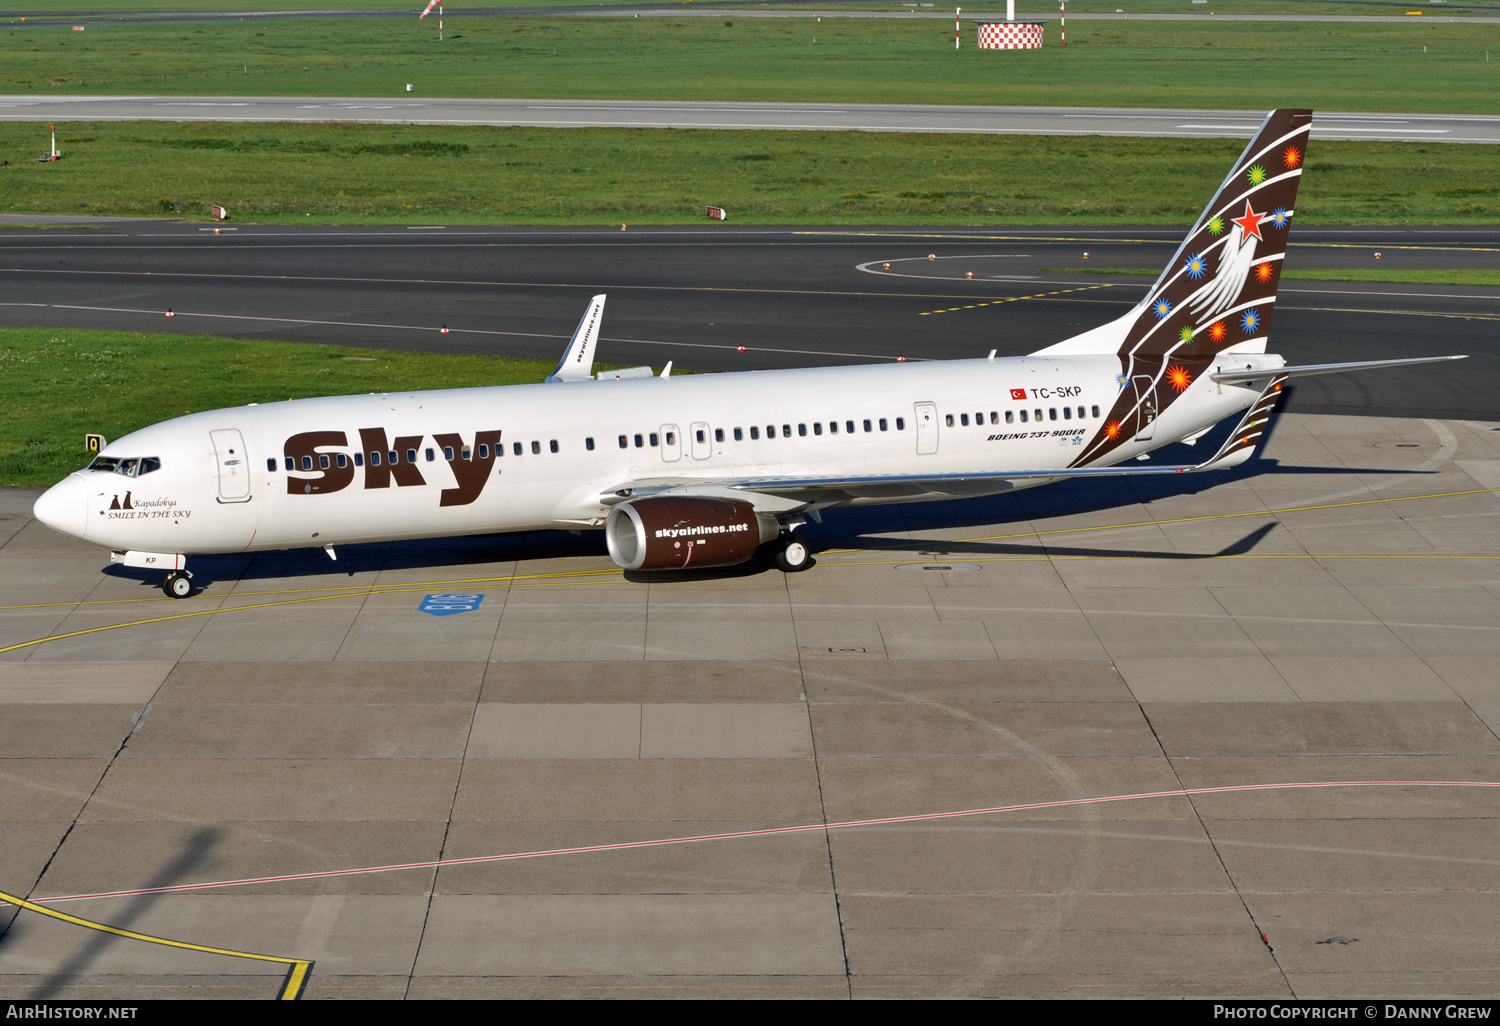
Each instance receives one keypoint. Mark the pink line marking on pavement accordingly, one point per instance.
(767, 832)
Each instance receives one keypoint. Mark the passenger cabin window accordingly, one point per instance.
(395, 458)
(802, 429)
(655, 441)
(431, 455)
(699, 434)
(770, 430)
(754, 433)
(718, 434)
(448, 453)
(883, 425)
(271, 464)
(291, 463)
(536, 448)
(515, 447)
(411, 456)
(1009, 417)
(786, 431)
(671, 438)
(949, 419)
(833, 427)
(639, 441)
(359, 459)
(1023, 416)
(817, 427)
(994, 417)
(900, 423)
(1037, 414)
(849, 426)
(322, 461)
(484, 451)
(624, 441)
(739, 434)
(341, 461)
(1067, 413)
(867, 427)
(963, 418)
(1080, 413)
(466, 453)
(588, 443)
(1095, 410)
(1052, 413)
(552, 445)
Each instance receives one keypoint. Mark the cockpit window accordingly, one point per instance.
(128, 466)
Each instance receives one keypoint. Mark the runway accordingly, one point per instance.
(1329, 613)
(791, 297)
(984, 120)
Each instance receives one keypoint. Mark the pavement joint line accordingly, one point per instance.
(1017, 299)
(298, 969)
(352, 593)
(1402, 313)
(1228, 516)
(765, 832)
(555, 577)
(347, 591)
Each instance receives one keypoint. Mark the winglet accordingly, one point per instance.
(577, 363)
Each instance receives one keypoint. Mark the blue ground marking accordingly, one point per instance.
(447, 605)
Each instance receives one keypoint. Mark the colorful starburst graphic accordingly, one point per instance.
(1257, 175)
(1121, 380)
(1186, 334)
(1250, 321)
(1291, 157)
(1196, 266)
(1112, 429)
(1263, 272)
(1217, 331)
(1179, 377)
(1163, 308)
(1281, 217)
(1216, 225)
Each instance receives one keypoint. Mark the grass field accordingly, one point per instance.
(1224, 64)
(60, 385)
(342, 173)
(1450, 8)
(1392, 275)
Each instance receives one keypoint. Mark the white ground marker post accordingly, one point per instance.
(1064, 22)
(956, 12)
(1010, 10)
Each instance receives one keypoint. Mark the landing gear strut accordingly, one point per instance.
(179, 584)
(792, 554)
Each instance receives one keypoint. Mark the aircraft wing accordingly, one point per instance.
(1238, 448)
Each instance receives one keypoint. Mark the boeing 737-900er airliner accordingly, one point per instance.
(711, 470)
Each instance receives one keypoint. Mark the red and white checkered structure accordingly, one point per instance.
(1010, 35)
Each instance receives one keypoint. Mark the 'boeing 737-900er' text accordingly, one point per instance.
(711, 470)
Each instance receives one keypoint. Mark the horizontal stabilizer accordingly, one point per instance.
(1231, 377)
(577, 363)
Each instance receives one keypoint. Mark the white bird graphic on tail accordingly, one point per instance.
(1235, 262)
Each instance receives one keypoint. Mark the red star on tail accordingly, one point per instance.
(1250, 223)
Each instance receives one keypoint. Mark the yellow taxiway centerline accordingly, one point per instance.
(298, 969)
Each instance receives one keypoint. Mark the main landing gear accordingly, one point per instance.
(179, 584)
(791, 554)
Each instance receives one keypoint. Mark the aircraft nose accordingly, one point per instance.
(64, 506)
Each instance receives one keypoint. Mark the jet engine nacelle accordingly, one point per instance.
(673, 532)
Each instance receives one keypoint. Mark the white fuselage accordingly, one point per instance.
(224, 483)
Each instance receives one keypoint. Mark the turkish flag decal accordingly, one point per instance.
(1018, 393)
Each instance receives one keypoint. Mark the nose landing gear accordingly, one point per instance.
(179, 584)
